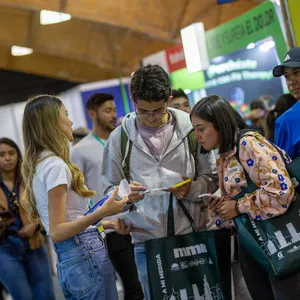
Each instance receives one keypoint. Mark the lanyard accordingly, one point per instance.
(98, 139)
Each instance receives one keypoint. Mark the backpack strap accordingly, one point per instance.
(126, 146)
(193, 147)
(240, 135)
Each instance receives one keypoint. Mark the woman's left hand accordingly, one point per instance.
(36, 241)
(227, 209)
(27, 231)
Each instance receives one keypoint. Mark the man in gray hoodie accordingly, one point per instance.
(159, 138)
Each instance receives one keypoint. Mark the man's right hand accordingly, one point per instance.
(136, 187)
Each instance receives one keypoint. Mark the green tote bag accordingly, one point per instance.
(187, 266)
(274, 243)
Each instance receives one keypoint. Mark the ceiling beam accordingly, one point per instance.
(57, 67)
(149, 32)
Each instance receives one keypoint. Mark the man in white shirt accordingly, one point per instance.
(88, 155)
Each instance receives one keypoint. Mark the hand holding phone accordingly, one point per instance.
(204, 197)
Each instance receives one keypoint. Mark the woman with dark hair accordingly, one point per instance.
(24, 267)
(217, 126)
(283, 103)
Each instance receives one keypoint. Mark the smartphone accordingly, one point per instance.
(204, 197)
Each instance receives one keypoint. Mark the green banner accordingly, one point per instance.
(255, 25)
(181, 78)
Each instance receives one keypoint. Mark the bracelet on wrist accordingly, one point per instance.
(237, 208)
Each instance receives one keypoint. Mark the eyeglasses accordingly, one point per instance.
(156, 114)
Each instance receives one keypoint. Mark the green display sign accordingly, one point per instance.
(182, 79)
(255, 25)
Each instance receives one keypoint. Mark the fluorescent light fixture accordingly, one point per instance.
(20, 51)
(266, 46)
(194, 46)
(251, 46)
(52, 17)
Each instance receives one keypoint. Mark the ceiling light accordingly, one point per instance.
(251, 46)
(52, 17)
(20, 51)
(187, 91)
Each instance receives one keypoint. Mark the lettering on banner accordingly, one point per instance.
(239, 31)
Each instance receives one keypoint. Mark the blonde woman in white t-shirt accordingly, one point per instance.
(84, 268)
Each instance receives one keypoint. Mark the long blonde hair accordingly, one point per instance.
(41, 132)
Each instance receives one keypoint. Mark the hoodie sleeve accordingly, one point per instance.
(207, 180)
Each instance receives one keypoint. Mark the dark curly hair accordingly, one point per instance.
(179, 93)
(150, 83)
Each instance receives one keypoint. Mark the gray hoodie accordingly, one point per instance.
(145, 169)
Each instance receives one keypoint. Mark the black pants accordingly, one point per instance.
(222, 242)
(121, 253)
(261, 286)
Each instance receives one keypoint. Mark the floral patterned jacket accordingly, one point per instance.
(266, 169)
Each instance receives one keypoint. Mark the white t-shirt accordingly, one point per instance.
(52, 172)
(88, 156)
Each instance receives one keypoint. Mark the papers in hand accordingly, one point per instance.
(171, 179)
(137, 221)
(153, 190)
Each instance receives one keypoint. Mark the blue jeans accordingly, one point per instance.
(24, 272)
(84, 268)
(141, 264)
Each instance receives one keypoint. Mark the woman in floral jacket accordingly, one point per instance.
(217, 126)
